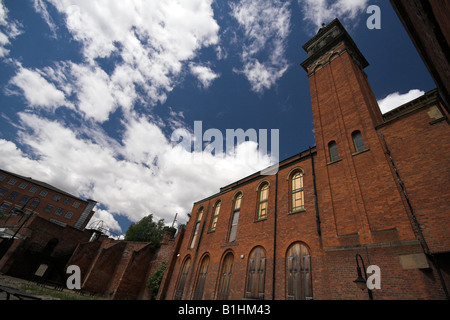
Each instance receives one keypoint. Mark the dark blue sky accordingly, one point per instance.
(92, 91)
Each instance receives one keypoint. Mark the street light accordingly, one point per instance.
(360, 281)
(6, 244)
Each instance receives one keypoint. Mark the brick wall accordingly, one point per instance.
(360, 204)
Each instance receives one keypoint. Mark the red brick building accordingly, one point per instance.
(39, 225)
(374, 185)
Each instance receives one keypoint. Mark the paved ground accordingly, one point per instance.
(12, 288)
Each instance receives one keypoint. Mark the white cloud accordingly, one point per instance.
(153, 40)
(318, 12)
(41, 8)
(104, 219)
(266, 27)
(37, 90)
(94, 92)
(9, 29)
(204, 74)
(144, 173)
(397, 99)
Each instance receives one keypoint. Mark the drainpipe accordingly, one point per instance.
(275, 236)
(416, 223)
(316, 204)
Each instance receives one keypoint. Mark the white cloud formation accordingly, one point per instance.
(37, 90)
(149, 45)
(153, 40)
(9, 29)
(318, 12)
(41, 7)
(144, 173)
(397, 99)
(266, 25)
(204, 74)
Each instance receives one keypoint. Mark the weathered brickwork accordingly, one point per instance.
(119, 269)
(353, 204)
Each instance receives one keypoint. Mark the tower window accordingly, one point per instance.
(358, 141)
(332, 147)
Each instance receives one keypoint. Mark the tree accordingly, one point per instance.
(154, 281)
(146, 230)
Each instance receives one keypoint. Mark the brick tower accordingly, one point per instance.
(360, 201)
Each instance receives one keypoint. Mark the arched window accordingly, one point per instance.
(262, 204)
(297, 200)
(332, 148)
(201, 280)
(215, 216)
(196, 228)
(256, 274)
(225, 277)
(235, 219)
(298, 273)
(182, 279)
(358, 141)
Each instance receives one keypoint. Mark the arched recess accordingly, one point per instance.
(298, 272)
(225, 274)
(256, 274)
(201, 278)
(186, 266)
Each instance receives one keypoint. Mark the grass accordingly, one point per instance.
(37, 290)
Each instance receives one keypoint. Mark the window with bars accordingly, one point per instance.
(196, 228)
(297, 199)
(215, 216)
(358, 141)
(235, 219)
(298, 273)
(182, 280)
(256, 274)
(263, 199)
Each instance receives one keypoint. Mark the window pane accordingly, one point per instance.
(358, 141)
(262, 210)
(3, 191)
(264, 192)
(297, 181)
(215, 217)
(237, 203)
(234, 226)
(297, 200)
(332, 146)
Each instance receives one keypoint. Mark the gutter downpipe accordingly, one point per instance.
(275, 236)
(316, 204)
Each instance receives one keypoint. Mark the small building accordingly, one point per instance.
(40, 227)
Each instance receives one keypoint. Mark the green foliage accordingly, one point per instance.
(146, 230)
(154, 281)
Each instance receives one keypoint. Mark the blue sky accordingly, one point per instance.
(93, 93)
